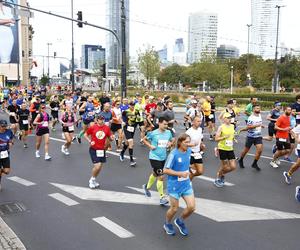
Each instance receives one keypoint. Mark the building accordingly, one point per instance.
(92, 56)
(179, 55)
(163, 55)
(179, 45)
(227, 52)
(202, 36)
(114, 23)
(264, 27)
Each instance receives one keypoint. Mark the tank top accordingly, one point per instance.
(226, 144)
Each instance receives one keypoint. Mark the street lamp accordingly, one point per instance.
(231, 79)
(18, 66)
(72, 62)
(48, 44)
(248, 53)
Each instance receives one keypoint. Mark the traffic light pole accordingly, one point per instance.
(123, 58)
(72, 63)
(123, 66)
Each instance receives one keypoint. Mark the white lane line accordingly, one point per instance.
(21, 181)
(270, 158)
(205, 178)
(64, 199)
(113, 227)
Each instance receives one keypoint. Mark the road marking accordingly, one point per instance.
(21, 181)
(64, 199)
(215, 210)
(205, 178)
(270, 158)
(113, 227)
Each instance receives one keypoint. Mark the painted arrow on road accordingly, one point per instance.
(215, 210)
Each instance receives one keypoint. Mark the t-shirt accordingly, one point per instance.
(254, 120)
(116, 115)
(54, 105)
(98, 135)
(150, 106)
(155, 114)
(192, 112)
(5, 138)
(283, 122)
(296, 106)
(206, 108)
(196, 137)
(274, 115)
(23, 116)
(12, 109)
(107, 116)
(159, 140)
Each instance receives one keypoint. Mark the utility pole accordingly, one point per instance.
(276, 76)
(248, 56)
(48, 74)
(123, 42)
(72, 61)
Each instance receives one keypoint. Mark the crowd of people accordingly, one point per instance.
(110, 123)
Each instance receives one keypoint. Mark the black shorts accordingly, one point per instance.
(196, 158)
(158, 167)
(67, 130)
(226, 155)
(140, 124)
(128, 134)
(54, 115)
(208, 119)
(87, 122)
(97, 159)
(24, 127)
(282, 145)
(271, 129)
(253, 141)
(292, 140)
(115, 127)
(12, 120)
(5, 163)
(42, 131)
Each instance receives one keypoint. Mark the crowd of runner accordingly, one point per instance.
(110, 123)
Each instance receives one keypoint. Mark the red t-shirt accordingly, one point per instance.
(283, 122)
(98, 135)
(150, 106)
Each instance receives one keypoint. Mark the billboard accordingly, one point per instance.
(9, 39)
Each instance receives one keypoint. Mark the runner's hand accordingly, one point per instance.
(184, 174)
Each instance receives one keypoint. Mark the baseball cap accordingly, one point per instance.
(194, 102)
(227, 115)
(277, 103)
(3, 123)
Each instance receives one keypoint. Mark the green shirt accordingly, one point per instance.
(249, 109)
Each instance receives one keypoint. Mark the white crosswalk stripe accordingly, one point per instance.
(21, 181)
(64, 199)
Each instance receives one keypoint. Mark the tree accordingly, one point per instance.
(149, 64)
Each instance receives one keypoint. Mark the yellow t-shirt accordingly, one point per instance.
(206, 108)
(227, 144)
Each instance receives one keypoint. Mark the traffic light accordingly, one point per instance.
(54, 54)
(79, 18)
(103, 70)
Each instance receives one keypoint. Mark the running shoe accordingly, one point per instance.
(288, 178)
(274, 149)
(277, 161)
(37, 154)
(181, 226)
(163, 201)
(241, 163)
(92, 184)
(121, 157)
(25, 145)
(222, 179)
(63, 150)
(273, 164)
(67, 151)
(132, 163)
(287, 159)
(47, 157)
(96, 184)
(218, 183)
(255, 166)
(78, 139)
(146, 191)
(169, 229)
(297, 194)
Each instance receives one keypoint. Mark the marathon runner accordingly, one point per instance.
(24, 122)
(54, 106)
(296, 106)
(139, 108)
(272, 117)
(249, 108)
(190, 114)
(12, 112)
(206, 106)
(116, 124)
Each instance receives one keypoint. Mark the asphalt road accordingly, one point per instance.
(256, 210)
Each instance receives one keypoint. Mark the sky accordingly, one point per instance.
(153, 22)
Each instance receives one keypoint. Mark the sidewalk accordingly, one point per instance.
(8, 239)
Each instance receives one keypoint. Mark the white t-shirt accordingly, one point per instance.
(196, 137)
(192, 112)
(254, 120)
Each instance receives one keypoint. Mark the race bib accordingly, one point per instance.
(298, 117)
(4, 154)
(90, 113)
(228, 143)
(282, 140)
(25, 122)
(100, 153)
(11, 113)
(45, 124)
(179, 160)
(130, 129)
(107, 124)
(162, 143)
(55, 109)
(197, 156)
(183, 179)
(232, 120)
(71, 128)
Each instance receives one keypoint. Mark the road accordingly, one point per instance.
(256, 210)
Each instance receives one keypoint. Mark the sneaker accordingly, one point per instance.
(47, 157)
(63, 150)
(25, 145)
(92, 184)
(218, 183)
(169, 229)
(132, 163)
(288, 159)
(222, 179)
(163, 201)
(146, 191)
(241, 163)
(78, 139)
(96, 184)
(121, 157)
(273, 164)
(181, 226)
(297, 194)
(67, 151)
(277, 161)
(37, 154)
(255, 166)
(274, 149)
(287, 177)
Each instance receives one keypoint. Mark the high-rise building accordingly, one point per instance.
(163, 54)
(227, 52)
(179, 46)
(114, 23)
(264, 27)
(91, 56)
(179, 55)
(202, 37)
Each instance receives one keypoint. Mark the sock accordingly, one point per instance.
(254, 162)
(289, 174)
(80, 134)
(131, 154)
(124, 149)
(117, 142)
(151, 181)
(160, 188)
(241, 159)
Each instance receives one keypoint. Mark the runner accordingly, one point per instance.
(272, 117)
(196, 135)
(254, 137)
(287, 157)
(68, 120)
(225, 138)
(107, 114)
(24, 121)
(140, 121)
(12, 112)
(158, 141)
(296, 106)
(282, 127)
(6, 142)
(116, 125)
(206, 106)
(96, 135)
(129, 129)
(154, 116)
(190, 114)
(249, 108)
(42, 131)
(54, 106)
(179, 185)
(229, 110)
(170, 116)
(34, 108)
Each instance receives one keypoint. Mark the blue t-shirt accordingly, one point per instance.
(6, 92)
(5, 138)
(180, 162)
(254, 132)
(89, 111)
(159, 140)
(293, 121)
(274, 114)
(124, 108)
(19, 102)
(296, 106)
(107, 116)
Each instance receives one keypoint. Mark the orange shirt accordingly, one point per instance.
(283, 122)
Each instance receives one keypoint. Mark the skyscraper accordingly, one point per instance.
(114, 23)
(92, 56)
(179, 55)
(179, 46)
(203, 31)
(263, 31)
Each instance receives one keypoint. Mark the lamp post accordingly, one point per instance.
(72, 61)
(248, 53)
(231, 79)
(48, 74)
(18, 66)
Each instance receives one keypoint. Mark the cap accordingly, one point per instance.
(277, 103)
(3, 123)
(230, 101)
(227, 115)
(194, 102)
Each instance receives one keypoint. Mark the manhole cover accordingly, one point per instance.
(11, 208)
